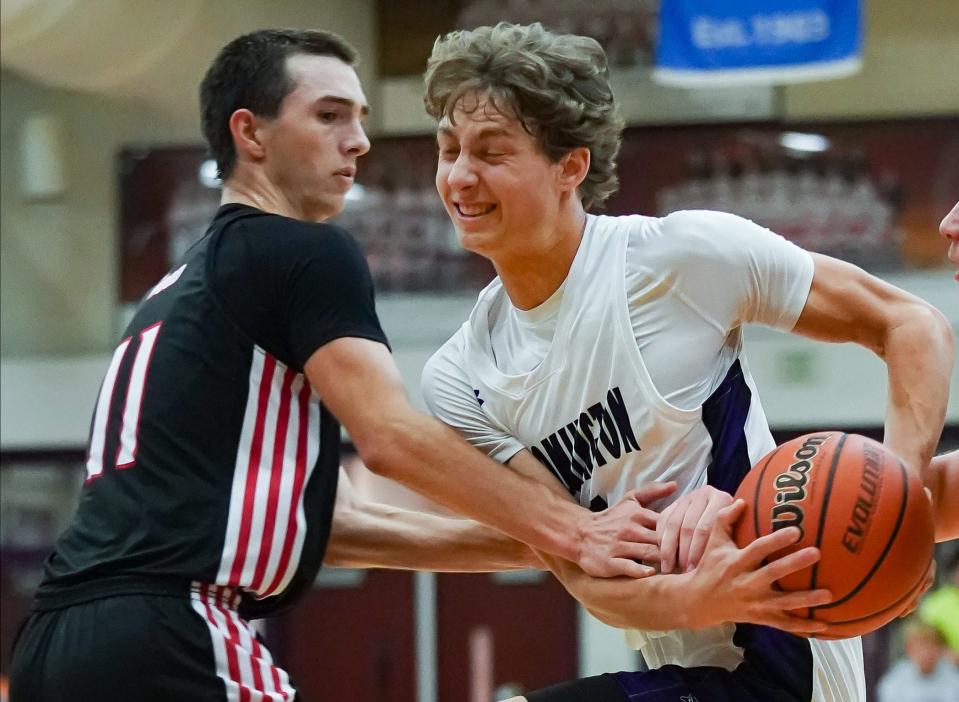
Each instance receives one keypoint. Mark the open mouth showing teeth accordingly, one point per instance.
(474, 210)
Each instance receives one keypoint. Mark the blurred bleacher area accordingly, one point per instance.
(104, 182)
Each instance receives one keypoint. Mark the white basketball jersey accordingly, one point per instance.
(588, 408)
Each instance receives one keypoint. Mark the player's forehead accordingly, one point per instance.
(478, 115)
(315, 77)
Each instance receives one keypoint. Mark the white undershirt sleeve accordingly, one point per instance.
(734, 271)
(451, 399)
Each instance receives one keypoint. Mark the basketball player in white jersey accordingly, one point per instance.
(607, 354)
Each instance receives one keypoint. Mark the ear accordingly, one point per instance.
(244, 126)
(575, 167)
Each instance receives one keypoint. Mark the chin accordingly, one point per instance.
(320, 211)
(482, 244)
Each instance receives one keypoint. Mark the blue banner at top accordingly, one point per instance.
(730, 42)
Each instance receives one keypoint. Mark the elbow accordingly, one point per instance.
(399, 442)
(383, 449)
(947, 333)
(925, 328)
(376, 440)
(940, 328)
(941, 335)
(376, 458)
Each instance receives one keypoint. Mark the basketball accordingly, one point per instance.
(852, 498)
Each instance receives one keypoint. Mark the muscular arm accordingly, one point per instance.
(912, 337)
(361, 385)
(372, 535)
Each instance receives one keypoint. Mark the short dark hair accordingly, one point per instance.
(250, 72)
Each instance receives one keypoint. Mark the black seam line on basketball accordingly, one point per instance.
(759, 487)
(898, 603)
(889, 542)
(823, 511)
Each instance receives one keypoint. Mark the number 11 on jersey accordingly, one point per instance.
(130, 418)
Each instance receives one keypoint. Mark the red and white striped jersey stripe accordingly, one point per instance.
(278, 449)
(242, 662)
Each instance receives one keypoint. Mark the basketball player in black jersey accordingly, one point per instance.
(214, 444)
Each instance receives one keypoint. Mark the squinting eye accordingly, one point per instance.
(328, 116)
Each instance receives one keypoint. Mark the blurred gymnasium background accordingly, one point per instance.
(105, 180)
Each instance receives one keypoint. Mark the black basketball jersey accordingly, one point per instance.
(211, 459)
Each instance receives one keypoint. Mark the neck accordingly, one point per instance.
(253, 188)
(531, 276)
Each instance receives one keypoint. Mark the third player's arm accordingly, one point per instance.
(367, 534)
(943, 480)
(360, 384)
(914, 339)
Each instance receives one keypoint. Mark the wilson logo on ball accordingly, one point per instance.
(865, 505)
(791, 486)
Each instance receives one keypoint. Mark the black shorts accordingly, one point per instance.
(777, 667)
(142, 648)
(670, 683)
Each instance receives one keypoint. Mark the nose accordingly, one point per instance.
(357, 143)
(461, 173)
(949, 227)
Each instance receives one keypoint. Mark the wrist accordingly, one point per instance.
(582, 521)
(687, 603)
(913, 458)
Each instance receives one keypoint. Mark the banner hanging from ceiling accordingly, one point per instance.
(711, 43)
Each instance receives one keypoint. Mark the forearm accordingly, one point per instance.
(913, 338)
(943, 481)
(919, 354)
(362, 387)
(372, 535)
(655, 603)
(430, 458)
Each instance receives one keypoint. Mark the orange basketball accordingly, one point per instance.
(853, 499)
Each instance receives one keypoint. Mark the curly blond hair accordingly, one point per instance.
(556, 85)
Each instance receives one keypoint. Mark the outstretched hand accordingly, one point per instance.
(737, 585)
(614, 541)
